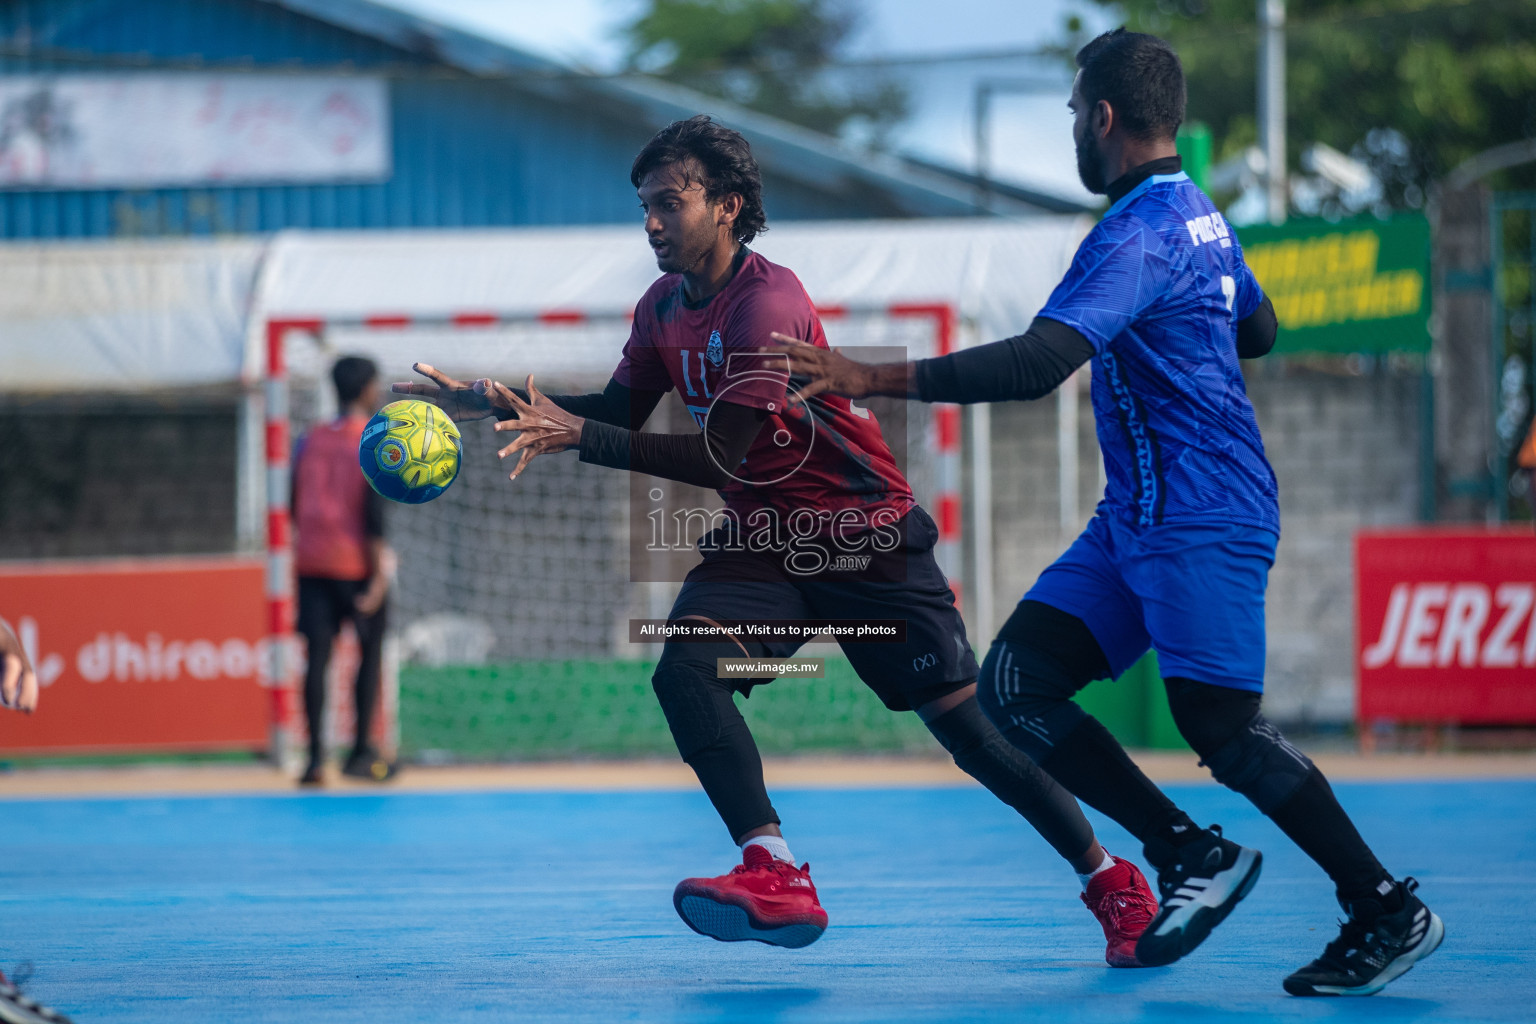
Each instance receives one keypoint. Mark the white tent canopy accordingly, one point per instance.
(995, 274)
(124, 315)
(137, 315)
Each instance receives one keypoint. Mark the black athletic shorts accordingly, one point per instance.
(934, 659)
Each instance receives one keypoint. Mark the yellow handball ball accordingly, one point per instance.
(410, 452)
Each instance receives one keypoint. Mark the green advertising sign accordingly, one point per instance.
(1352, 286)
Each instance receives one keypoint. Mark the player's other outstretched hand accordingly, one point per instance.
(18, 683)
(461, 400)
(542, 426)
(825, 369)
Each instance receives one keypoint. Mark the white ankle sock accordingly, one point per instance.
(773, 844)
(1107, 863)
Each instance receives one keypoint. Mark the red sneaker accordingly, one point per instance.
(1123, 902)
(762, 898)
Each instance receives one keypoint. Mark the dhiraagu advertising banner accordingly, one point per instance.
(1351, 286)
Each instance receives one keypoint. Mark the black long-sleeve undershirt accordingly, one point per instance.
(1256, 332)
(705, 459)
(619, 405)
(1028, 365)
(611, 435)
(1033, 364)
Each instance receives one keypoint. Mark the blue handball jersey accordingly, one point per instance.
(1158, 287)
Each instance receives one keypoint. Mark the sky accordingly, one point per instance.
(1030, 137)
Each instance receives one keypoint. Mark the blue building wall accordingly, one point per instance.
(466, 152)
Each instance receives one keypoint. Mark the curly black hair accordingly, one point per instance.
(725, 162)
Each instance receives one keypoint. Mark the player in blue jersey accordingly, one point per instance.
(1178, 553)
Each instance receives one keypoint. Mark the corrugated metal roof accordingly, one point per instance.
(483, 134)
(818, 159)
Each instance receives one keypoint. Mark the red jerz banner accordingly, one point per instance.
(152, 654)
(1445, 625)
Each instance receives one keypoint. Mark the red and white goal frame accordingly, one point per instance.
(281, 664)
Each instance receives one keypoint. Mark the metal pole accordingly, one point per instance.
(981, 125)
(1497, 508)
(1272, 105)
(1427, 505)
(250, 467)
(981, 116)
(1530, 344)
(1068, 514)
(980, 503)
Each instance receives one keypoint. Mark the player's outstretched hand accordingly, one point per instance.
(461, 400)
(825, 369)
(542, 426)
(18, 683)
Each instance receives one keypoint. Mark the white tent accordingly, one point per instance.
(97, 316)
(94, 316)
(138, 315)
(995, 274)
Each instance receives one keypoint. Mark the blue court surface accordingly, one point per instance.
(423, 907)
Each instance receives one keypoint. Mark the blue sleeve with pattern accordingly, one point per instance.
(1119, 271)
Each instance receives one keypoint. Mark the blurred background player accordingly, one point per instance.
(343, 564)
(700, 329)
(18, 690)
(1177, 556)
(1526, 460)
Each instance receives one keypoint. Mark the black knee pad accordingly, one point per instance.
(1243, 750)
(1063, 637)
(711, 735)
(962, 730)
(1027, 695)
(988, 757)
(692, 696)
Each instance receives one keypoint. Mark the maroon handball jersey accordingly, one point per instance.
(823, 457)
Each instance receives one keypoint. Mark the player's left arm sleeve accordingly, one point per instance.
(702, 459)
(1028, 365)
(1256, 332)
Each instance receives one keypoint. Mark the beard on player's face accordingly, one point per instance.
(681, 222)
(687, 243)
(1090, 168)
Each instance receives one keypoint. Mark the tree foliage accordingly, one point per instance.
(768, 55)
(1411, 87)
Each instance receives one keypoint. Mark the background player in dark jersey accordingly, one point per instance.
(797, 479)
(1178, 553)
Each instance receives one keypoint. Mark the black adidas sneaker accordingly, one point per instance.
(1200, 883)
(1373, 947)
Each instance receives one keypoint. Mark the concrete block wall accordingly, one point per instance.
(1344, 447)
(1345, 452)
(116, 476)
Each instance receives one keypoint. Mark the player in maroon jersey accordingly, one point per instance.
(804, 484)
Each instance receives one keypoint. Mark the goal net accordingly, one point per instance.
(510, 615)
